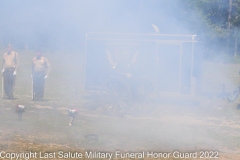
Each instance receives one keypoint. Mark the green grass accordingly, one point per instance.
(171, 126)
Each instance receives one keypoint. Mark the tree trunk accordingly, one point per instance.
(229, 26)
(236, 42)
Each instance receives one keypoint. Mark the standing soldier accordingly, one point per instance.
(9, 71)
(40, 71)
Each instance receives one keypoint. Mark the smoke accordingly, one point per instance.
(52, 24)
(176, 120)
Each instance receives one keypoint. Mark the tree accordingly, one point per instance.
(217, 22)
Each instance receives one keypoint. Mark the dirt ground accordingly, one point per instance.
(187, 124)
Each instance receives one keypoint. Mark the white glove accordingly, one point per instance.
(3, 70)
(14, 73)
(45, 77)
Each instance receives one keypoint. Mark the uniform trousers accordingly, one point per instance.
(38, 85)
(8, 82)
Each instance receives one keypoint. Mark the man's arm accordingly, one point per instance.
(16, 61)
(48, 68)
(3, 62)
(32, 69)
(109, 56)
(3, 66)
(135, 57)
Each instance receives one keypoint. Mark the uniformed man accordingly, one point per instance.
(9, 71)
(122, 62)
(40, 71)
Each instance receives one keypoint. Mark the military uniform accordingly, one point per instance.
(40, 70)
(9, 70)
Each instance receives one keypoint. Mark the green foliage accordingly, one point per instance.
(216, 22)
(209, 16)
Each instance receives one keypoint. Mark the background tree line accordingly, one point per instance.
(216, 22)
